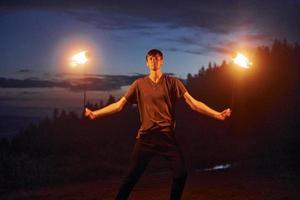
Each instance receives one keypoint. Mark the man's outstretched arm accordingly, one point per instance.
(107, 110)
(204, 109)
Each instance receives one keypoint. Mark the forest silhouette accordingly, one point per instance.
(262, 135)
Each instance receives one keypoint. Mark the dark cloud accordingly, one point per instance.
(184, 40)
(193, 51)
(203, 51)
(144, 14)
(221, 49)
(24, 71)
(203, 20)
(214, 15)
(228, 47)
(25, 83)
(93, 82)
(200, 47)
(256, 37)
(107, 20)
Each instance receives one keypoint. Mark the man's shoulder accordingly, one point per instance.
(141, 79)
(171, 78)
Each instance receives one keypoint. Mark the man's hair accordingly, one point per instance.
(154, 52)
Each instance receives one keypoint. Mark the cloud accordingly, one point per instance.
(221, 49)
(215, 16)
(220, 45)
(134, 15)
(25, 83)
(193, 51)
(106, 20)
(186, 40)
(163, 19)
(24, 71)
(93, 82)
(242, 41)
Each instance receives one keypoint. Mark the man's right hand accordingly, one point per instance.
(89, 114)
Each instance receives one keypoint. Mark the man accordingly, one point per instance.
(156, 95)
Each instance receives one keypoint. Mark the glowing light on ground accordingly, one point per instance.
(216, 168)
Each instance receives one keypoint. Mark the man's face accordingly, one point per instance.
(154, 62)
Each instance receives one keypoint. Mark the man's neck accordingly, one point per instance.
(155, 75)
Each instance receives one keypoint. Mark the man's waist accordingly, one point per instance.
(155, 134)
(156, 128)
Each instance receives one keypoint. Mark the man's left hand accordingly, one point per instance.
(224, 114)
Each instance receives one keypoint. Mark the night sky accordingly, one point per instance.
(38, 37)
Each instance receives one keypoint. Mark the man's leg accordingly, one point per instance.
(140, 157)
(175, 157)
(179, 178)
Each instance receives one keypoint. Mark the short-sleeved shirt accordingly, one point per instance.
(156, 102)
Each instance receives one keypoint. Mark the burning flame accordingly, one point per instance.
(79, 59)
(242, 61)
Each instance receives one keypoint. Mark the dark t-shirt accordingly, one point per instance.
(156, 102)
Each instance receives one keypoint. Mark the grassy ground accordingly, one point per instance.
(200, 185)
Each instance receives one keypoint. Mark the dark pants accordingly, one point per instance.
(147, 146)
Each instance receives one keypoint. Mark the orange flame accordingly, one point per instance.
(242, 61)
(79, 59)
